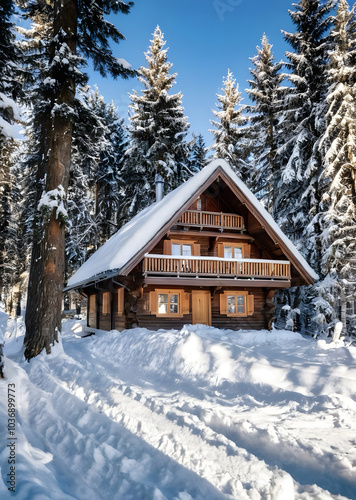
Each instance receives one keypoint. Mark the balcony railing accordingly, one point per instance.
(197, 218)
(215, 267)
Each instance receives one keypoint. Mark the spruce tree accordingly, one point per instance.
(337, 213)
(10, 86)
(230, 133)
(265, 93)
(82, 235)
(70, 28)
(198, 152)
(109, 175)
(301, 126)
(157, 133)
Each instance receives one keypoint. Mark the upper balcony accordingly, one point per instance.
(201, 219)
(215, 267)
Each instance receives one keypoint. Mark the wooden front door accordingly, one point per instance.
(201, 307)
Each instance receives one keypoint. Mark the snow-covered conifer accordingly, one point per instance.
(231, 142)
(301, 126)
(198, 152)
(338, 178)
(74, 31)
(158, 129)
(10, 86)
(265, 90)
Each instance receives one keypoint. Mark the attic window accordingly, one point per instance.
(181, 249)
(199, 203)
(232, 252)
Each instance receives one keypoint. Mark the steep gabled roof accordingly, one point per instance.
(126, 247)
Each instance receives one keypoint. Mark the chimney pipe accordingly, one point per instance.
(159, 187)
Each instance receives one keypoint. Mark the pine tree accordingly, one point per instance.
(198, 152)
(338, 178)
(301, 126)
(70, 27)
(93, 195)
(231, 142)
(82, 235)
(108, 177)
(265, 93)
(10, 86)
(157, 133)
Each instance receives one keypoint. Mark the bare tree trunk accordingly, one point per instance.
(43, 312)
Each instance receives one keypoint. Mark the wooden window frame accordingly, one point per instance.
(169, 293)
(183, 302)
(167, 247)
(246, 248)
(233, 246)
(181, 243)
(248, 303)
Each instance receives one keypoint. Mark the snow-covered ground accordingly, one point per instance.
(199, 413)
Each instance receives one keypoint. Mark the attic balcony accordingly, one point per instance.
(216, 267)
(201, 219)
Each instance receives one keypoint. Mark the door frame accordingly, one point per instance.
(208, 296)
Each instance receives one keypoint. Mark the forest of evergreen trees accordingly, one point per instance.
(80, 173)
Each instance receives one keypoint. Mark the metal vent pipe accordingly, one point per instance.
(159, 187)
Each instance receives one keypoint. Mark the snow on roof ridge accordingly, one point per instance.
(134, 236)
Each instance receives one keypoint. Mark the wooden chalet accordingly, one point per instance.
(207, 253)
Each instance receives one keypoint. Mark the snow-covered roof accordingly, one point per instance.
(133, 238)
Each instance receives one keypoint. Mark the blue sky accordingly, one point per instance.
(205, 38)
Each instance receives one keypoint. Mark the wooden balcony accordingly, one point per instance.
(198, 218)
(215, 267)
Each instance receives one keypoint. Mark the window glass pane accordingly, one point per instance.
(162, 308)
(237, 253)
(162, 303)
(231, 304)
(175, 249)
(227, 252)
(187, 250)
(198, 204)
(240, 304)
(173, 307)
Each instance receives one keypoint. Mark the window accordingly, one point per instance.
(199, 203)
(181, 249)
(168, 303)
(236, 303)
(232, 252)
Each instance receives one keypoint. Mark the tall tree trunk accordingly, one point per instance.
(43, 312)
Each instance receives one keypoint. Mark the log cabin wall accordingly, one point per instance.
(258, 320)
(118, 318)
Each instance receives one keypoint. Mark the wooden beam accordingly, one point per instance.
(217, 235)
(201, 282)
